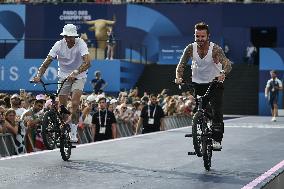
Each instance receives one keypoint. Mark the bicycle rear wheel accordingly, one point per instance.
(49, 126)
(65, 143)
(197, 124)
(207, 151)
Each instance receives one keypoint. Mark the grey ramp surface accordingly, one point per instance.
(153, 161)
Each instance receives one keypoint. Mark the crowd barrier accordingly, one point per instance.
(8, 146)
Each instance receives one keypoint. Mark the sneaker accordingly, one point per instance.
(273, 119)
(73, 133)
(217, 146)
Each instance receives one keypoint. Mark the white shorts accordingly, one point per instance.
(70, 86)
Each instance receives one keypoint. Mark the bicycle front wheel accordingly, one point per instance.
(49, 126)
(197, 123)
(207, 152)
(65, 143)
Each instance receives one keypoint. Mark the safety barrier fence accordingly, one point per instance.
(8, 146)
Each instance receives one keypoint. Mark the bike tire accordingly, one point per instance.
(65, 143)
(49, 126)
(207, 152)
(197, 122)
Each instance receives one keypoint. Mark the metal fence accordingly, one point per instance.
(9, 148)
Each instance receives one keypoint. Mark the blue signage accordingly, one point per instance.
(118, 74)
(12, 31)
(171, 49)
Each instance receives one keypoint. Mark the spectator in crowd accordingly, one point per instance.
(103, 122)
(113, 106)
(7, 100)
(16, 128)
(73, 60)
(133, 95)
(137, 108)
(145, 99)
(2, 119)
(2, 103)
(123, 97)
(125, 114)
(171, 107)
(208, 62)
(273, 86)
(24, 104)
(89, 110)
(151, 117)
(32, 120)
(110, 44)
(98, 83)
(16, 105)
(11, 122)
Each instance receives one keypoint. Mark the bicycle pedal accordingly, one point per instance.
(188, 135)
(191, 153)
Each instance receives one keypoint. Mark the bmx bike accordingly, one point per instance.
(55, 131)
(202, 127)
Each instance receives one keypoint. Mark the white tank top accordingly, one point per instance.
(204, 70)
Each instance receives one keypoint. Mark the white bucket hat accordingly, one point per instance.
(70, 30)
(91, 98)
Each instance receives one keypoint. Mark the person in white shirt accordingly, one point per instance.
(208, 62)
(73, 62)
(273, 86)
(250, 53)
(15, 104)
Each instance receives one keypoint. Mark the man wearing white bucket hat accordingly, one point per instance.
(73, 62)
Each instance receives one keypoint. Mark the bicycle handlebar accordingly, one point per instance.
(53, 83)
(43, 83)
(191, 85)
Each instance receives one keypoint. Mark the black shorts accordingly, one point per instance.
(273, 100)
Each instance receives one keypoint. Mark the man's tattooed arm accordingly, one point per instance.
(219, 56)
(187, 53)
